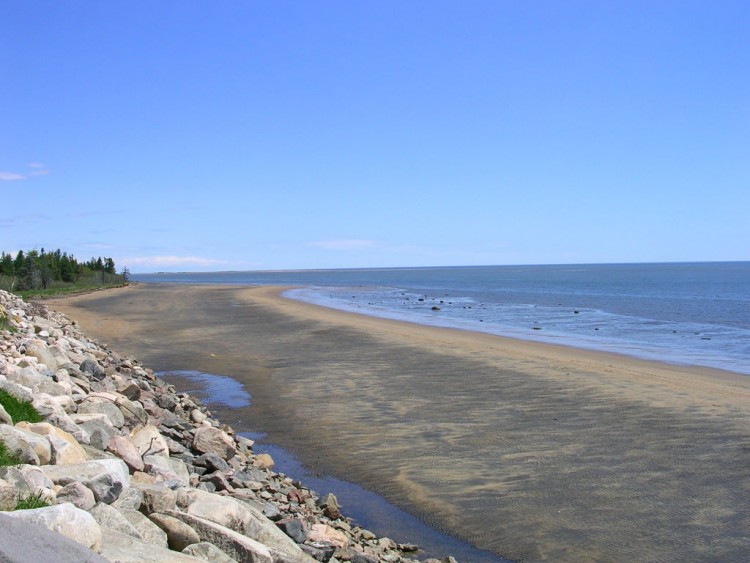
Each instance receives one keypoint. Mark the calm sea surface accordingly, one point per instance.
(684, 313)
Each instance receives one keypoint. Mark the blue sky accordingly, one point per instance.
(186, 136)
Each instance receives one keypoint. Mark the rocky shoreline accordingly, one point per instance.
(134, 471)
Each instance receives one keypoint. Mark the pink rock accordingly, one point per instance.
(321, 532)
(124, 448)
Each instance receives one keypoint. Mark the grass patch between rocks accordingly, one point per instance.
(8, 458)
(19, 410)
(34, 500)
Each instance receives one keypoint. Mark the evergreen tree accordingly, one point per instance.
(6, 265)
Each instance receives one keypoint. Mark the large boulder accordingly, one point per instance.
(179, 534)
(156, 498)
(149, 441)
(237, 516)
(27, 446)
(209, 439)
(167, 469)
(234, 544)
(124, 448)
(77, 494)
(208, 552)
(105, 477)
(133, 411)
(65, 519)
(64, 447)
(111, 519)
(149, 531)
(127, 549)
(102, 405)
(39, 350)
(98, 427)
(19, 540)
(27, 480)
(130, 498)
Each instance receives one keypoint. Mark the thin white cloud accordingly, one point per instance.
(37, 169)
(11, 177)
(171, 261)
(344, 244)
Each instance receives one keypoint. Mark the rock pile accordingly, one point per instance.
(137, 472)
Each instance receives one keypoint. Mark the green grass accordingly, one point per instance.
(8, 458)
(19, 410)
(63, 290)
(35, 500)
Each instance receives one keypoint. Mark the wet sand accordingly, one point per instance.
(532, 451)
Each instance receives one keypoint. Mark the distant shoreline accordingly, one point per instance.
(677, 313)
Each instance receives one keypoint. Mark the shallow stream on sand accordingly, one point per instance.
(369, 510)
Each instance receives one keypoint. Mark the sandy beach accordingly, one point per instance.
(531, 451)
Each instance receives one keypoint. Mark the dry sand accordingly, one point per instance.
(529, 450)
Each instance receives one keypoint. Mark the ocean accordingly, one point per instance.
(681, 313)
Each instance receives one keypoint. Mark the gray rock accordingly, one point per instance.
(320, 551)
(133, 411)
(28, 377)
(18, 391)
(237, 516)
(156, 498)
(209, 439)
(232, 543)
(47, 405)
(293, 528)
(179, 534)
(92, 369)
(248, 477)
(219, 481)
(167, 469)
(112, 519)
(121, 548)
(66, 423)
(208, 552)
(65, 519)
(100, 431)
(149, 531)
(211, 461)
(19, 539)
(105, 477)
(98, 405)
(39, 350)
(166, 401)
(27, 446)
(130, 498)
(26, 479)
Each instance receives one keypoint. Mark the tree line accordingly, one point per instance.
(38, 269)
